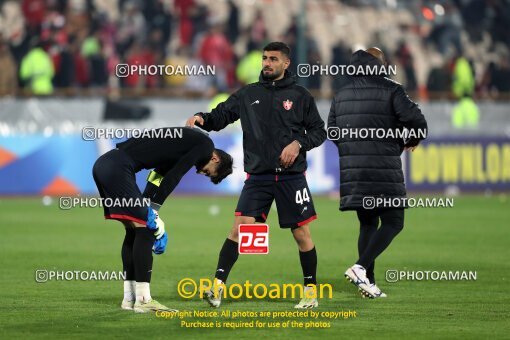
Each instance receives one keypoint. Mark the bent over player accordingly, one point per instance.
(171, 158)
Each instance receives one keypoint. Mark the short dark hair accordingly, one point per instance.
(224, 168)
(278, 46)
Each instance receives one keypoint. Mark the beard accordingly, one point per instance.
(271, 76)
(200, 165)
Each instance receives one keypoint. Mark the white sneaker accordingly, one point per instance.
(213, 301)
(358, 276)
(377, 291)
(151, 306)
(308, 302)
(127, 305)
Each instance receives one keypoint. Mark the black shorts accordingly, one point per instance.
(291, 193)
(114, 174)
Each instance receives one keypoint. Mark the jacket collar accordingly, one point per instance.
(287, 80)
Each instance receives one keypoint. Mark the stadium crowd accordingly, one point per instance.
(46, 45)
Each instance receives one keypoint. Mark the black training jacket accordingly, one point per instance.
(172, 155)
(273, 114)
(372, 167)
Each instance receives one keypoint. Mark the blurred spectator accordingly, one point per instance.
(232, 22)
(8, 78)
(500, 20)
(314, 57)
(37, 70)
(475, 13)
(200, 20)
(465, 113)
(258, 31)
(341, 55)
(463, 78)
(82, 69)
(131, 27)
(160, 24)
(216, 50)
(312, 53)
(140, 55)
(199, 83)
(249, 67)
(499, 75)
(439, 80)
(13, 27)
(406, 60)
(447, 29)
(20, 48)
(63, 62)
(183, 9)
(34, 12)
(156, 42)
(180, 58)
(92, 52)
(216, 100)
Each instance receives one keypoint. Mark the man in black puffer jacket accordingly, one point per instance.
(370, 164)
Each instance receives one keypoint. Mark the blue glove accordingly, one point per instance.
(151, 219)
(159, 246)
(155, 223)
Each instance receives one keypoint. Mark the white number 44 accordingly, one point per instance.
(304, 197)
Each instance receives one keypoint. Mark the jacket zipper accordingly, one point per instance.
(273, 89)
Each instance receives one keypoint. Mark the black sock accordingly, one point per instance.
(367, 228)
(308, 261)
(127, 254)
(370, 273)
(142, 254)
(377, 245)
(392, 222)
(228, 256)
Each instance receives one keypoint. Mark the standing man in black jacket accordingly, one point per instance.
(280, 122)
(370, 168)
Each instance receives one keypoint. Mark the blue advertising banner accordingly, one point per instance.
(58, 165)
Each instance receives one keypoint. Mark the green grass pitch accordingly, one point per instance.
(473, 235)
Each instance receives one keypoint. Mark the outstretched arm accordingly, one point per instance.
(221, 116)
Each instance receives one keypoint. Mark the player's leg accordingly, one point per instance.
(229, 251)
(253, 206)
(307, 254)
(296, 211)
(368, 223)
(303, 238)
(227, 258)
(392, 222)
(308, 261)
(128, 266)
(106, 173)
(142, 259)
